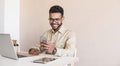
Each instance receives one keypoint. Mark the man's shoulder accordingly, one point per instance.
(70, 31)
(48, 31)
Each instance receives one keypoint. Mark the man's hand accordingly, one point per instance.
(34, 51)
(48, 46)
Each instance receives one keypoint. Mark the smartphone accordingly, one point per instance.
(42, 39)
(44, 60)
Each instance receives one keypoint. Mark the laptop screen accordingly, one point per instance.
(6, 47)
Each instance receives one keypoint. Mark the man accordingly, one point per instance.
(58, 40)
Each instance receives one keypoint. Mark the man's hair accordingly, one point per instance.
(56, 9)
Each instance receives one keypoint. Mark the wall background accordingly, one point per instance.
(1, 16)
(9, 17)
(96, 23)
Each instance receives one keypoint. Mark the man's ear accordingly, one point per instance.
(62, 18)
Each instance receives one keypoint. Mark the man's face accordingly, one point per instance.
(55, 20)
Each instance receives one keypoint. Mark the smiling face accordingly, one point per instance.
(55, 20)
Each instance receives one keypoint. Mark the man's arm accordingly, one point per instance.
(69, 49)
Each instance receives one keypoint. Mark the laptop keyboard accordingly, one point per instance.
(20, 56)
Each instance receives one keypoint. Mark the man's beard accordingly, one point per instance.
(57, 27)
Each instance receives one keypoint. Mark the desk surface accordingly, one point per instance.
(27, 61)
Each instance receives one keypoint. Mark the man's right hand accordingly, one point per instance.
(48, 46)
(34, 51)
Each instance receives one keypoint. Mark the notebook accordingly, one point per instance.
(7, 48)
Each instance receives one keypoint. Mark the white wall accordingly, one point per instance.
(1, 16)
(11, 18)
(96, 23)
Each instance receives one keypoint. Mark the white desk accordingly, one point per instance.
(27, 61)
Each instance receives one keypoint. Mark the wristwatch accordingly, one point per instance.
(54, 51)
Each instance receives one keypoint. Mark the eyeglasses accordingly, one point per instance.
(54, 19)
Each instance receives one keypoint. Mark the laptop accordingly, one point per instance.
(7, 48)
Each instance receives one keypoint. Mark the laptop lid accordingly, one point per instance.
(6, 47)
